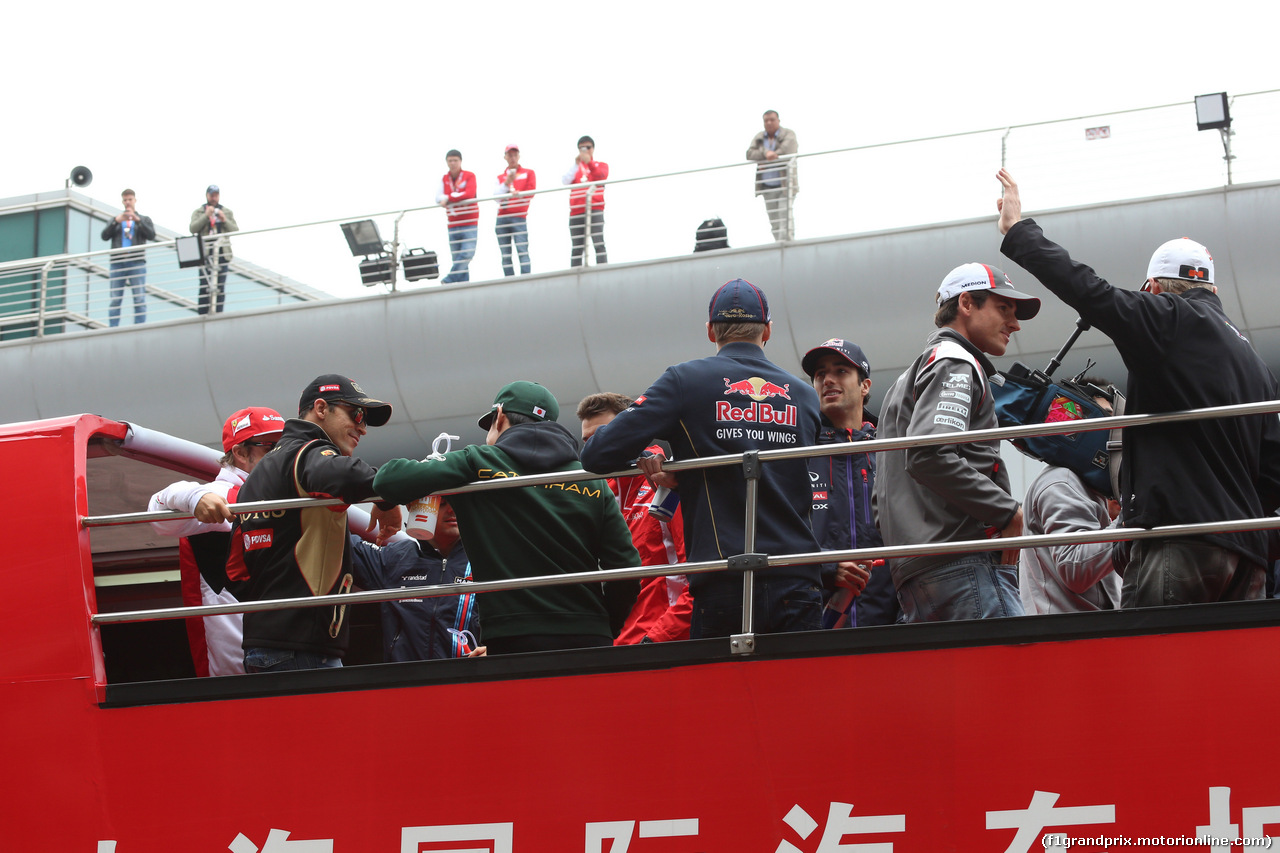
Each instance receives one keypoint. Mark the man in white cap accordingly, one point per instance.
(247, 436)
(953, 492)
(1182, 352)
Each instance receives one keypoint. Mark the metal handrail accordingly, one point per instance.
(801, 452)
(751, 460)
(1112, 534)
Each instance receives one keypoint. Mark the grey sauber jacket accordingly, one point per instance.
(943, 492)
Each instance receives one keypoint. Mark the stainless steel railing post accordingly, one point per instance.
(744, 643)
(44, 294)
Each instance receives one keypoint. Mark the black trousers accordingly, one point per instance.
(578, 232)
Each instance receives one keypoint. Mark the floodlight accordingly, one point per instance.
(1212, 112)
(190, 251)
(363, 237)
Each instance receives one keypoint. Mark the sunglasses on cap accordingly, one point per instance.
(357, 413)
(267, 444)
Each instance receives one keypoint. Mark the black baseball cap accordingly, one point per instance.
(847, 350)
(336, 388)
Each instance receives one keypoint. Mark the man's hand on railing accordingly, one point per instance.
(651, 466)
(212, 509)
(387, 522)
(853, 575)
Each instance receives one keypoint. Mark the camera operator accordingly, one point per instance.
(128, 269)
(211, 218)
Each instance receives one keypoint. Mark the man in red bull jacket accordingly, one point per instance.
(734, 401)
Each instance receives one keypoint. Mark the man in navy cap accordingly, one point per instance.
(734, 401)
(842, 485)
(959, 491)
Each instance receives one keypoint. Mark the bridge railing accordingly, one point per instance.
(867, 187)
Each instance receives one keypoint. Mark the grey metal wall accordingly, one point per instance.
(439, 353)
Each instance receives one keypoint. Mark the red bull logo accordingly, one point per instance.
(757, 388)
(757, 413)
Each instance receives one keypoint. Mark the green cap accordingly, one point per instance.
(525, 398)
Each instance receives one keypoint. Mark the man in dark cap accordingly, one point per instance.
(208, 220)
(558, 528)
(841, 376)
(953, 492)
(293, 553)
(732, 402)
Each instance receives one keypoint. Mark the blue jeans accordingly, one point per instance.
(972, 587)
(131, 274)
(462, 246)
(513, 229)
(781, 605)
(286, 660)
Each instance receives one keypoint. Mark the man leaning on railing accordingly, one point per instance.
(732, 402)
(1182, 352)
(960, 491)
(552, 529)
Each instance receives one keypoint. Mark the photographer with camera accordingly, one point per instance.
(128, 269)
(211, 218)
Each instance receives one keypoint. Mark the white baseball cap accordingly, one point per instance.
(1182, 258)
(975, 276)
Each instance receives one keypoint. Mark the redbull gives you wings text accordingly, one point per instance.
(759, 412)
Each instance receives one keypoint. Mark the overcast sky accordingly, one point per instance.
(305, 111)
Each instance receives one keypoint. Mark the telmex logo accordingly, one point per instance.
(257, 540)
(757, 388)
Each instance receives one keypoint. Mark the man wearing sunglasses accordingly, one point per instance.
(1182, 352)
(298, 552)
(202, 552)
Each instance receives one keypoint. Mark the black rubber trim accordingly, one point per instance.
(656, 656)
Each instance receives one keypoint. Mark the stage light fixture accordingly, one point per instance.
(363, 238)
(1212, 112)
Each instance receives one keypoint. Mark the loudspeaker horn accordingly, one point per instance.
(81, 176)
